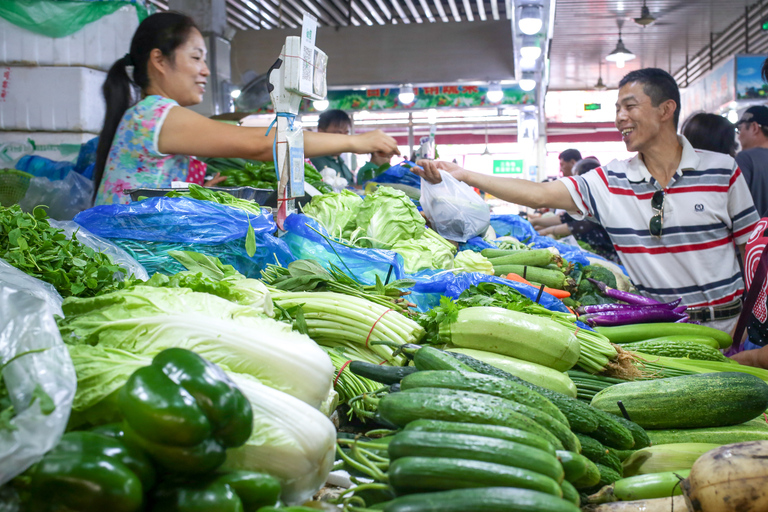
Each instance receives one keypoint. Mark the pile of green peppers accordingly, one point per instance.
(180, 414)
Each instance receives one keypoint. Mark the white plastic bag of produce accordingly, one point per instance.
(37, 374)
(118, 255)
(455, 210)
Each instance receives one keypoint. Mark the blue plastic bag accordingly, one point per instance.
(399, 174)
(44, 167)
(307, 239)
(513, 225)
(87, 156)
(149, 229)
(569, 252)
(476, 244)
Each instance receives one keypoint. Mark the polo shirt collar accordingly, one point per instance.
(638, 172)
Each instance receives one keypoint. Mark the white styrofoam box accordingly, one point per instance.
(59, 146)
(51, 99)
(98, 44)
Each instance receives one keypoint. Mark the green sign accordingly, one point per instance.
(764, 23)
(591, 106)
(507, 167)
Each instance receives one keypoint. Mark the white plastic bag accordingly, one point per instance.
(64, 198)
(455, 210)
(97, 243)
(26, 325)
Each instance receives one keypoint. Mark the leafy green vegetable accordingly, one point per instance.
(336, 212)
(388, 216)
(472, 261)
(217, 196)
(424, 253)
(30, 244)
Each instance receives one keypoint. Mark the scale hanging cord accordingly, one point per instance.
(290, 118)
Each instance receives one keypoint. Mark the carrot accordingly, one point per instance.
(560, 294)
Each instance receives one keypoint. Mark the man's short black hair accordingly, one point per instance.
(658, 85)
(570, 154)
(333, 118)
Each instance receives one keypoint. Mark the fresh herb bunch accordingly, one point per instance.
(30, 244)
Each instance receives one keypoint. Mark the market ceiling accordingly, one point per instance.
(585, 31)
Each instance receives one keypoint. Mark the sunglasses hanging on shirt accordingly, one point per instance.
(657, 203)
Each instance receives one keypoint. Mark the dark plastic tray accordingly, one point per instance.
(257, 195)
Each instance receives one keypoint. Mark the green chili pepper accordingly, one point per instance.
(184, 412)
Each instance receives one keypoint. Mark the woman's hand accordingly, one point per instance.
(430, 170)
(375, 141)
(215, 180)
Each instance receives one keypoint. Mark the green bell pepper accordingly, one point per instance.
(184, 412)
(88, 472)
(239, 491)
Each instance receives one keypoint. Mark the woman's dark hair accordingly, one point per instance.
(584, 165)
(165, 31)
(659, 85)
(711, 132)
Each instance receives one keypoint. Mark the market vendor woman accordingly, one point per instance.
(149, 143)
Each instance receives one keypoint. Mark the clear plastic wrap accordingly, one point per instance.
(33, 359)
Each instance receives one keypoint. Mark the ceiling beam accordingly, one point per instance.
(400, 12)
(468, 10)
(495, 9)
(454, 10)
(427, 11)
(414, 11)
(373, 12)
(285, 8)
(346, 13)
(441, 11)
(364, 17)
(278, 14)
(336, 14)
(384, 10)
(251, 11)
(481, 10)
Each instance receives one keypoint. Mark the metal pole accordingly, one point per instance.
(746, 29)
(410, 135)
(711, 50)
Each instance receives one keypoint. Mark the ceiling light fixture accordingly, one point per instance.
(646, 18)
(527, 64)
(530, 19)
(320, 105)
(235, 93)
(620, 54)
(528, 82)
(600, 86)
(406, 95)
(487, 151)
(530, 48)
(494, 94)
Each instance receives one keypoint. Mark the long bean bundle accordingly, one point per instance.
(348, 384)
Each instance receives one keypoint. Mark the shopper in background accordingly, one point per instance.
(338, 122)
(672, 213)
(568, 159)
(711, 132)
(370, 169)
(753, 157)
(148, 136)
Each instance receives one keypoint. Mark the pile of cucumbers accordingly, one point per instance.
(473, 437)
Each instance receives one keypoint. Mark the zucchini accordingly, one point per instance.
(485, 449)
(754, 430)
(486, 499)
(691, 401)
(404, 407)
(408, 475)
(430, 358)
(495, 431)
(570, 494)
(532, 338)
(498, 253)
(639, 332)
(688, 349)
(580, 416)
(556, 428)
(639, 435)
(575, 465)
(535, 258)
(533, 373)
(550, 278)
(485, 384)
(381, 373)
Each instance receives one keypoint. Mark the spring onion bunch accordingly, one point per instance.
(348, 384)
(661, 366)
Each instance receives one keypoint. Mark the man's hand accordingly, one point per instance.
(375, 141)
(430, 170)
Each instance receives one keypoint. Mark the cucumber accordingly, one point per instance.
(596, 452)
(623, 454)
(404, 407)
(688, 349)
(610, 432)
(639, 434)
(754, 430)
(575, 465)
(560, 430)
(486, 499)
(495, 431)
(381, 373)
(570, 494)
(580, 416)
(691, 401)
(533, 373)
(639, 332)
(485, 384)
(608, 475)
(408, 475)
(590, 479)
(485, 449)
(430, 358)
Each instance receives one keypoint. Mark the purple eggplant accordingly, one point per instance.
(680, 309)
(635, 316)
(630, 298)
(599, 308)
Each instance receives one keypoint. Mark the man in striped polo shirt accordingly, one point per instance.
(675, 215)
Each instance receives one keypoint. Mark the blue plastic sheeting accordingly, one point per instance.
(44, 167)
(569, 252)
(513, 225)
(431, 285)
(180, 223)
(399, 174)
(476, 244)
(307, 239)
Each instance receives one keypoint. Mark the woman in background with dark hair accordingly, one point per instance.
(148, 136)
(711, 132)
